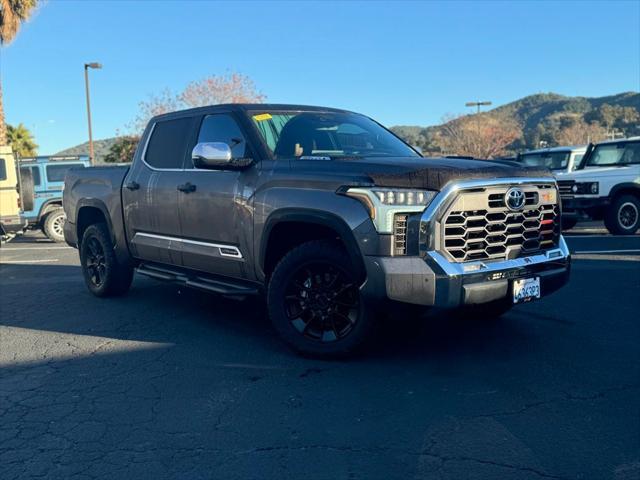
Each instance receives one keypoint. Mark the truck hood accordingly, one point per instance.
(417, 172)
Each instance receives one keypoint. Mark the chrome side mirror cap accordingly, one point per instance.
(211, 155)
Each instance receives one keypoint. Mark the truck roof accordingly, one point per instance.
(567, 148)
(619, 140)
(55, 158)
(244, 107)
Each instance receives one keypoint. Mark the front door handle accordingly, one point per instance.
(132, 185)
(187, 187)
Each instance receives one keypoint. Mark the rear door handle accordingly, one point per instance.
(187, 187)
(132, 185)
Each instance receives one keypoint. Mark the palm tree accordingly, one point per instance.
(21, 141)
(12, 14)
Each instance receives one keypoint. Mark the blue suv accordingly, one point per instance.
(48, 181)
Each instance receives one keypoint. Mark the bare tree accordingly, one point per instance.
(212, 90)
(581, 132)
(478, 136)
(229, 88)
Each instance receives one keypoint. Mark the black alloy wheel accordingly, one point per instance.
(321, 302)
(95, 262)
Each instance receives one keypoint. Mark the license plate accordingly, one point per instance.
(525, 289)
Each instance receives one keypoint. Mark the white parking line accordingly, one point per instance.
(30, 261)
(11, 249)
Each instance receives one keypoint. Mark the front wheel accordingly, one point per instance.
(623, 215)
(103, 274)
(314, 301)
(53, 225)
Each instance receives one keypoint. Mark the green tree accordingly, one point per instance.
(21, 141)
(13, 13)
(122, 150)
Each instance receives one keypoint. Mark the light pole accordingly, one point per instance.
(478, 105)
(87, 66)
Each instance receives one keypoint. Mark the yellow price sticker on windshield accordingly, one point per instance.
(262, 117)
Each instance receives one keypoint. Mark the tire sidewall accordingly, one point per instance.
(48, 224)
(98, 232)
(613, 223)
(313, 252)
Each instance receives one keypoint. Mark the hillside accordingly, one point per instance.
(100, 148)
(541, 117)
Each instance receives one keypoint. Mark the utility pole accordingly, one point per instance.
(477, 105)
(87, 66)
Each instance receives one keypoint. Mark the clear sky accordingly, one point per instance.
(399, 62)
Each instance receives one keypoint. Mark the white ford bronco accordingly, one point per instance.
(605, 186)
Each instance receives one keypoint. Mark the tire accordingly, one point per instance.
(623, 215)
(103, 274)
(27, 194)
(314, 301)
(568, 223)
(53, 224)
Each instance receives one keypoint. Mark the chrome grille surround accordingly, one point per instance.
(468, 221)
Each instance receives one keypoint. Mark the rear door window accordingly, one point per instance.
(168, 143)
(56, 173)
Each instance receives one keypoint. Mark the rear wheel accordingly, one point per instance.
(53, 224)
(623, 215)
(314, 301)
(103, 274)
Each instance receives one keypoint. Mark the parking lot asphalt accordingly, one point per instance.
(172, 383)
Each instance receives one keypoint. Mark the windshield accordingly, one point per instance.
(551, 160)
(613, 154)
(327, 135)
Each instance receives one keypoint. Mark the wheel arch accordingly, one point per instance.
(287, 228)
(48, 206)
(89, 213)
(627, 188)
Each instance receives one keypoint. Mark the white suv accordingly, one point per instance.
(557, 159)
(606, 185)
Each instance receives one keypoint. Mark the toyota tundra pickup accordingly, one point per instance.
(325, 212)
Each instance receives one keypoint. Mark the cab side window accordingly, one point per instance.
(224, 128)
(168, 143)
(3, 169)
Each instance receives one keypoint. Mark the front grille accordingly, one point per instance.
(400, 234)
(565, 187)
(479, 226)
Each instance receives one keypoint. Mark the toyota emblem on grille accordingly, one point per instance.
(514, 198)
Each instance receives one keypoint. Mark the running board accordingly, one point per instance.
(221, 287)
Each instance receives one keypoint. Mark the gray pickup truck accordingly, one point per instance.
(325, 212)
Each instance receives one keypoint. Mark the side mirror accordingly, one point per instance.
(211, 155)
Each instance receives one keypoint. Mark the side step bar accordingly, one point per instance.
(221, 287)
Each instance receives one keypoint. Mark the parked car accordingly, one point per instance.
(12, 196)
(606, 186)
(48, 174)
(325, 212)
(557, 159)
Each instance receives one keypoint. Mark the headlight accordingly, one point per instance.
(586, 188)
(383, 203)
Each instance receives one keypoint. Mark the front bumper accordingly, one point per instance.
(573, 206)
(434, 281)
